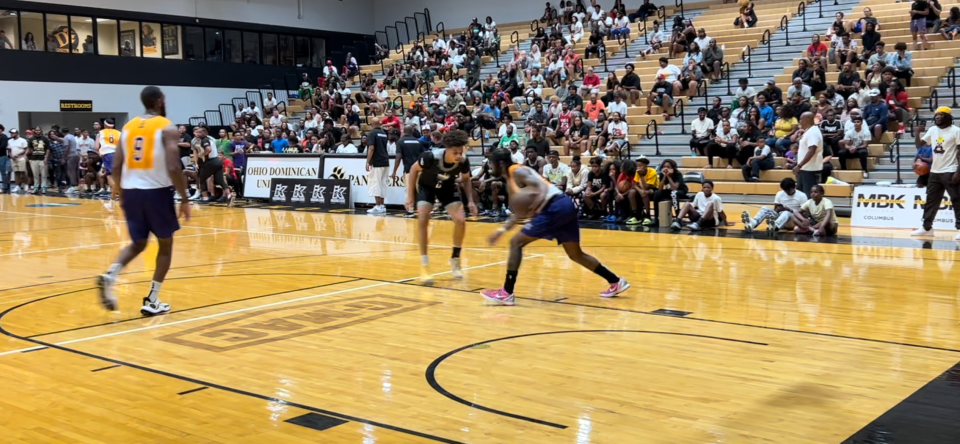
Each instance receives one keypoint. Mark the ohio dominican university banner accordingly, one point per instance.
(324, 193)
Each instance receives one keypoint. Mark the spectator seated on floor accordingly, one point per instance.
(816, 215)
(786, 204)
(703, 213)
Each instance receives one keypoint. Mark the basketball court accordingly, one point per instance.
(306, 327)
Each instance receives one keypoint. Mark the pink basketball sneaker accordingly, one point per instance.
(500, 296)
(615, 289)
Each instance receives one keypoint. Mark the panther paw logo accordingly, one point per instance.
(337, 173)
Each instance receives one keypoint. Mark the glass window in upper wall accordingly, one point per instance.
(129, 39)
(193, 43)
(286, 50)
(150, 35)
(170, 44)
(31, 24)
(302, 51)
(251, 47)
(58, 35)
(318, 52)
(9, 30)
(82, 27)
(213, 41)
(270, 49)
(107, 43)
(233, 46)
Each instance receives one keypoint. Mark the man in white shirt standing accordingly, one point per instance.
(787, 201)
(810, 157)
(944, 174)
(17, 149)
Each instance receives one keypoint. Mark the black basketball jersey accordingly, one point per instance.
(435, 173)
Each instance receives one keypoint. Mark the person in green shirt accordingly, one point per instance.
(223, 145)
(508, 137)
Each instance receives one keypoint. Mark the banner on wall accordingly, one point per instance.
(148, 37)
(888, 207)
(328, 194)
(63, 38)
(354, 169)
(262, 168)
(171, 41)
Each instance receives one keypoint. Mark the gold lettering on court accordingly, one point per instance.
(285, 322)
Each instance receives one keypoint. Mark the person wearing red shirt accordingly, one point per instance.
(817, 50)
(591, 83)
(898, 103)
(564, 121)
(390, 121)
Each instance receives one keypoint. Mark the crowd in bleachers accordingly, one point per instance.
(546, 102)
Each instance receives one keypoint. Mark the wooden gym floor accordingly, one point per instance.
(300, 327)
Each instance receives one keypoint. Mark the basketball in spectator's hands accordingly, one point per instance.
(525, 203)
(623, 186)
(921, 168)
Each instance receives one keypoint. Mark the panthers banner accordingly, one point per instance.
(322, 193)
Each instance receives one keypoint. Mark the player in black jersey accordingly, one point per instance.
(433, 178)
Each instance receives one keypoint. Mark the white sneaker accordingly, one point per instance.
(15, 189)
(425, 277)
(957, 237)
(176, 197)
(374, 209)
(153, 308)
(380, 209)
(71, 190)
(455, 269)
(195, 196)
(921, 232)
(694, 226)
(107, 299)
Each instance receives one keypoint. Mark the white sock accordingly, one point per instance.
(425, 260)
(154, 291)
(114, 270)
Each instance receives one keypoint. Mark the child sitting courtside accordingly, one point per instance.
(704, 212)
